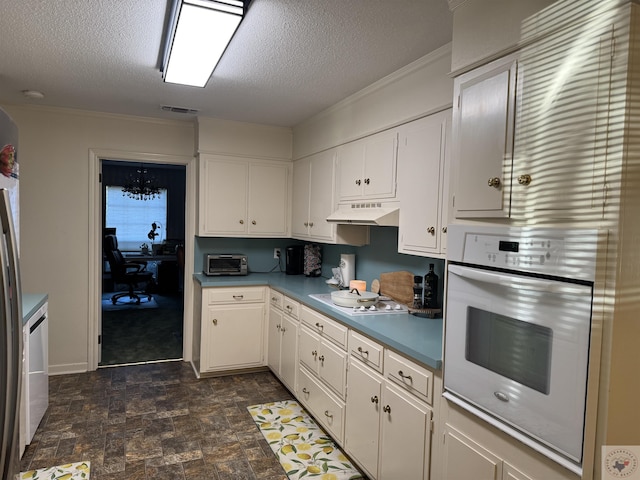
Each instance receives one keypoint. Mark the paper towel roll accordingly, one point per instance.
(347, 268)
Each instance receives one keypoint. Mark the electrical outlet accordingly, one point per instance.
(276, 253)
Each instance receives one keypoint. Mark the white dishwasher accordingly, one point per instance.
(36, 365)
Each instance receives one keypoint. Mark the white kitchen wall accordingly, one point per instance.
(54, 183)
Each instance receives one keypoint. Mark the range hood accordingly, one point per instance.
(367, 213)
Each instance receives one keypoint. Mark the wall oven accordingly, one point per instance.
(518, 330)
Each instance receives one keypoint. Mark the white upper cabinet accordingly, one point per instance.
(243, 197)
(423, 180)
(530, 131)
(367, 168)
(483, 121)
(314, 200)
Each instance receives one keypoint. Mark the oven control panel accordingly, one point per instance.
(569, 253)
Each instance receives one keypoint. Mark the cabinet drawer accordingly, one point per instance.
(235, 295)
(291, 307)
(409, 375)
(328, 410)
(276, 299)
(324, 326)
(365, 350)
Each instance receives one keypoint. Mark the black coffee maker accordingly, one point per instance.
(294, 260)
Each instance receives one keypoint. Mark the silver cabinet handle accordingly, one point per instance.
(358, 182)
(278, 327)
(215, 321)
(304, 390)
(327, 414)
(363, 352)
(238, 297)
(283, 329)
(319, 325)
(374, 399)
(311, 224)
(289, 307)
(444, 229)
(241, 222)
(314, 353)
(367, 181)
(431, 230)
(253, 222)
(402, 375)
(386, 409)
(321, 358)
(524, 179)
(306, 224)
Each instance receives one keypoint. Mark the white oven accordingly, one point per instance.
(518, 329)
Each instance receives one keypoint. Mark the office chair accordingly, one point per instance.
(131, 273)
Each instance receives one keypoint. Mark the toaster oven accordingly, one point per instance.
(225, 264)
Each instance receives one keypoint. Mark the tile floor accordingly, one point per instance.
(157, 421)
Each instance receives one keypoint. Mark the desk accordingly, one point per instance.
(164, 268)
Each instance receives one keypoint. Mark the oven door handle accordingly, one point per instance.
(512, 281)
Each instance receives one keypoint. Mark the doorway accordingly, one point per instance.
(143, 222)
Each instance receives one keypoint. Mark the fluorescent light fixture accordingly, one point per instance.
(199, 33)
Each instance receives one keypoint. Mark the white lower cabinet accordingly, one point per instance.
(232, 328)
(387, 429)
(322, 370)
(282, 354)
(465, 458)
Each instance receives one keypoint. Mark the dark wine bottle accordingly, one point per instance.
(431, 288)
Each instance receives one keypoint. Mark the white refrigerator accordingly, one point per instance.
(10, 302)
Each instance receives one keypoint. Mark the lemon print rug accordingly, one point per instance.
(70, 471)
(302, 447)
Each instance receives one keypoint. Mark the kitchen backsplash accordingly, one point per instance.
(381, 255)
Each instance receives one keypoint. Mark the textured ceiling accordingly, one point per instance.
(289, 59)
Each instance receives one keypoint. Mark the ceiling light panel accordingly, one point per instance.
(203, 30)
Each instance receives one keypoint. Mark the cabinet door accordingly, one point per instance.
(309, 342)
(483, 120)
(223, 196)
(464, 458)
(405, 437)
(332, 367)
(289, 352)
(420, 169)
(322, 195)
(232, 337)
(362, 418)
(380, 158)
(268, 199)
(561, 133)
(350, 170)
(300, 195)
(274, 340)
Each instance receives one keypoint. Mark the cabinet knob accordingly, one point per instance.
(278, 327)
(306, 224)
(494, 182)
(282, 329)
(311, 224)
(289, 307)
(319, 325)
(431, 230)
(241, 222)
(314, 353)
(215, 321)
(367, 181)
(327, 414)
(253, 222)
(363, 352)
(524, 179)
(403, 376)
(444, 229)
(386, 409)
(304, 390)
(358, 182)
(321, 358)
(374, 399)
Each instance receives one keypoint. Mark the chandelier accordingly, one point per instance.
(141, 185)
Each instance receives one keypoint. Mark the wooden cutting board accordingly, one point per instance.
(398, 286)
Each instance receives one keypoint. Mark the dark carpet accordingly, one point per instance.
(135, 335)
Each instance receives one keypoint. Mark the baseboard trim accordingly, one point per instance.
(64, 369)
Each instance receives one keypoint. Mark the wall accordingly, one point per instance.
(420, 88)
(54, 191)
